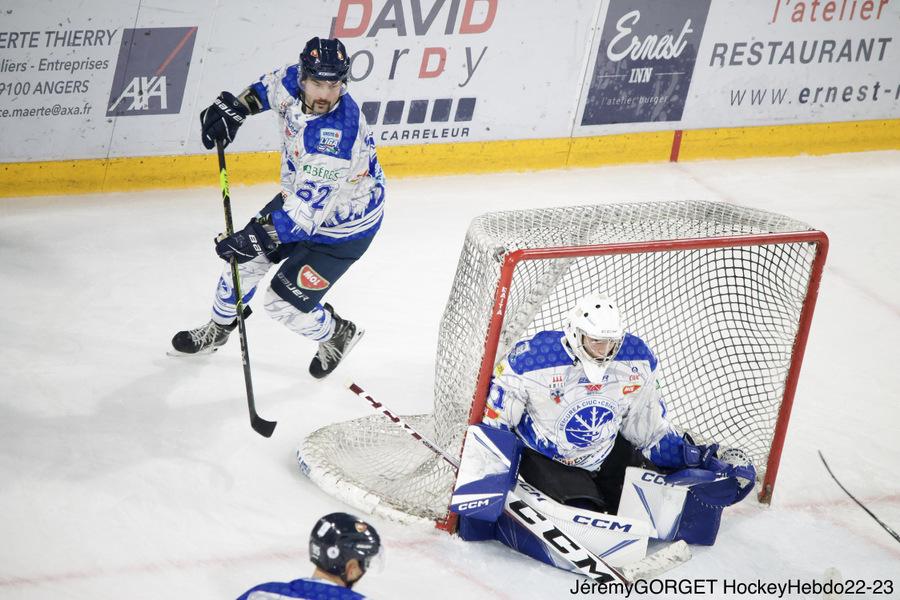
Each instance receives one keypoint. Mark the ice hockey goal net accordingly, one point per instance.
(723, 294)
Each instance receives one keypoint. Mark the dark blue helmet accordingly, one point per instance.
(324, 59)
(338, 537)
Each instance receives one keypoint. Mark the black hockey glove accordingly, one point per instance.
(221, 120)
(246, 244)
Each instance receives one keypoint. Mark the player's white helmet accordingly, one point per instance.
(594, 331)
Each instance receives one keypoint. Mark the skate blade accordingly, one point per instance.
(356, 337)
(178, 354)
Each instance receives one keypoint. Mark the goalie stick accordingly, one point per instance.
(588, 564)
(861, 505)
(259, 425)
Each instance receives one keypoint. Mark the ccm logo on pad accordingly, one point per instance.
(308, 279)
(473, 504)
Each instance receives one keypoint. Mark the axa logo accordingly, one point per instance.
(151, 71)
(308, 279)
(139, 92)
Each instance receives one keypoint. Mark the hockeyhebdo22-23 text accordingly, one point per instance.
(714, 587)
(48, 82)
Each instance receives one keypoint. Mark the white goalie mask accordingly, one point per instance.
(594, 332)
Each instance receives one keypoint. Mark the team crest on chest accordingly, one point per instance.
(329, 139)
(586, 423)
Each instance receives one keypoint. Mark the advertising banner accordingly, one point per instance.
(697, 64)
(94, 84)
(466, 70)
(122, 78)
(644, 62)
(784, 61)
(132, 79)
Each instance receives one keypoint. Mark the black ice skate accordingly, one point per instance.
(335, 349)
(203, 340)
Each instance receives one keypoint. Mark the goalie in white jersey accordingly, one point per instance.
(584, 404)
(583, 401)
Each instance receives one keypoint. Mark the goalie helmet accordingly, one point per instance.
(594, 332)
(339, 537)
(324, 59)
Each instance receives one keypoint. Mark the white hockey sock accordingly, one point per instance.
(224, 309)
(316, 325)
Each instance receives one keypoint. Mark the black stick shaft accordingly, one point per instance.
(260, 425)
(861, 505)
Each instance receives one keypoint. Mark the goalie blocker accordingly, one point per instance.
(684, 505)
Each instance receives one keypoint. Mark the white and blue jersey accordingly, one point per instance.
(541, 392)
(331, 182)
(309, 589)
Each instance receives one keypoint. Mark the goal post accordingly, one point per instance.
(724, 295)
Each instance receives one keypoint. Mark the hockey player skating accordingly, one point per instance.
(574, 409)
(322, 220)
(341, 546)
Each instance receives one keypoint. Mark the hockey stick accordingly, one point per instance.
(589, 564)
(259, 425)
(861, 505)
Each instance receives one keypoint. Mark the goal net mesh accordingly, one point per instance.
(721, 321)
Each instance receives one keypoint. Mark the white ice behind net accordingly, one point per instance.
(721, 321)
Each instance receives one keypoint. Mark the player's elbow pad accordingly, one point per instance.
(252, 101)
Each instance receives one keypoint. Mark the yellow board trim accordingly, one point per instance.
(156, 172)
(790, 140)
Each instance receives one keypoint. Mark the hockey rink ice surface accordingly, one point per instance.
(125, 473)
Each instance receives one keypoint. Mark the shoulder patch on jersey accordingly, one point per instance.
(335, 133)
(634, 348)
(543, 350)
(291, 81)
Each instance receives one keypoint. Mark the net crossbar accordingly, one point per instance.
(722, 294)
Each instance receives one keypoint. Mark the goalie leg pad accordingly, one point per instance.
(487, 471)
(685, 505)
